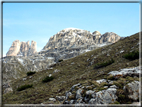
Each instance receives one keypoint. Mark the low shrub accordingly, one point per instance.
(116, 102)
(30, 73)
(60, 60)
(23, 87)
(47, 79)
(132, 55)
(104, 64)
(110, 77)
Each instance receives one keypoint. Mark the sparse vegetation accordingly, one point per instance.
(30, 73)
(47, 79)
(23, 87)
(76, 73)
(104, 64)
(132, 55)
(116, 102)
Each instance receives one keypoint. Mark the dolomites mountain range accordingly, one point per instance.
(69, 38)
(23, 57)
(22, 48)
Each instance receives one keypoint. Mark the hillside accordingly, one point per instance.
(80, 69)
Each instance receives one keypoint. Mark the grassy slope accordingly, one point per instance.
(79, 72)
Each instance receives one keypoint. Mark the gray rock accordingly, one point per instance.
(56, 70)
(8, 90)
(101, 80)
(52, 99)
(78, 93)
(72, 102)
(104, 97)
(60, 98)
(79, 101)
(113, 86)
(76, 85)
(126, 71)
(24, 79)
(67, 95)
(89, 94)
(105, 86)
(132, 90)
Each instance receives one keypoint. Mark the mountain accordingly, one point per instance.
(68, 43)
(73, 37)
(100, 76)
(71, 42)
(22, 48)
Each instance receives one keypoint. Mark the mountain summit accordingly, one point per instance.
(73, 37)
(22, 48)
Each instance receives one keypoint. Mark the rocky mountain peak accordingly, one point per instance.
(109, 37)
(22, 48)
(69, 37)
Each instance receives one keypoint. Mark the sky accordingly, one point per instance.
(40, 21)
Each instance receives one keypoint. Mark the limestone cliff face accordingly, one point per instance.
(71, 42)
(14, 49)
(109, 37)
(22, 48)
(70, 37)
(96, 36)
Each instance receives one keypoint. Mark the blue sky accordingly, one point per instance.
(40, 21)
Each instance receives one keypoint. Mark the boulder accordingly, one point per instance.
(52, 99)
(132, 90)
(104, 97)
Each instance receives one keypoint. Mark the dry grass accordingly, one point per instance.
(79, 72)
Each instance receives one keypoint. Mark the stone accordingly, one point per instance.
(132, 90)
(101, 80)
(78, 93)
(72, 102)
(76, 85)
(89, 94)
(56, 70)
(113, 86)
(60, 98)
(7, 90)
(104, 97)
(135, 71)
(67, 95)
(24, 79)
(52, 99)
(50, 75)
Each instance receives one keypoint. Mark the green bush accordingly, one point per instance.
(47, 79)
(60, 60)
(116, 102)
(30, 73)
(104, 64)
(23, 87)
(132, 55)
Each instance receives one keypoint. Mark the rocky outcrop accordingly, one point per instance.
(14, 49)
(15, 67)
(96, 36)
(108, 93)
(72, 42)
(132, 89)
(68, 38)
(22, 48)
(109, 37)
